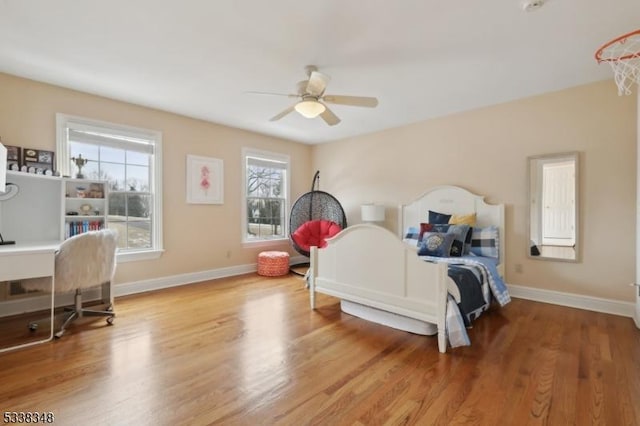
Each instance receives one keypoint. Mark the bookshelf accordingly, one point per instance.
(85, 206)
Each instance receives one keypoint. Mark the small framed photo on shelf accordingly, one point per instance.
(14, 157)
(38, 161)
(205, 182)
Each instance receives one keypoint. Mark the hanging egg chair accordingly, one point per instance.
(315, 216)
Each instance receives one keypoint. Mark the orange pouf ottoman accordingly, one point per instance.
(273, 263)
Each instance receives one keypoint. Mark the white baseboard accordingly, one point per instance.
(191, 277)
(31, 304)
(596, 304)
(126, 289)
(43, 302)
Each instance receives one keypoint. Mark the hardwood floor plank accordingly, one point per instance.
(248, 350)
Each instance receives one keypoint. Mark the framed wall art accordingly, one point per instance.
(205, 180)
(14, 157)
(38, 161)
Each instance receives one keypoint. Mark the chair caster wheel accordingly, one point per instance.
(110, 320)
(33, 326)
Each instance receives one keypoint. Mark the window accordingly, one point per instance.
(266, 196)
(129, 159)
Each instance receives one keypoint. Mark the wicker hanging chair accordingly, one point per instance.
(315, 216)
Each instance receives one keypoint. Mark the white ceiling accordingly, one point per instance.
(420, 58)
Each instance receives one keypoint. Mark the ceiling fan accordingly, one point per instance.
(312, 99)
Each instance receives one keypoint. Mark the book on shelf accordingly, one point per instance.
(81, 226)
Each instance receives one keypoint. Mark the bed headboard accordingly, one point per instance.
(454, 200)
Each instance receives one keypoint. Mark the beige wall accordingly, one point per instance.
(483, 150)
(196, 237)
(486, 151)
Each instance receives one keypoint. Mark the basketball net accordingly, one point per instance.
(623, 55)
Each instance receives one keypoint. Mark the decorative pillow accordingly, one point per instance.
(463, 219)
(440, 227)
(411, 236)
(467, 241)
(435, 244)
(435, 217)
(460, 234)
(485, 242)
(425, 227)
(314, 233)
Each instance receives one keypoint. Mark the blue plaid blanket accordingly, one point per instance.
(456, 330)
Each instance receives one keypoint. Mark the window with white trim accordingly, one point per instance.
(130, 160)
(265, 198)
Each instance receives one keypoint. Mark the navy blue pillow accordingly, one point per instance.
(460, 232)
(435, 217)
(436, 244)
(440, 227)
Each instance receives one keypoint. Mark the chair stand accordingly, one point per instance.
(77, 311)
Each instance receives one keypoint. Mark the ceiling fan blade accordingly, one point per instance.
(361, 101)
(282, 114)
(317, 83)
(329, 117)
(289, 95)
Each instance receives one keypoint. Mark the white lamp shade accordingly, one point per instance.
(372, 213)
(3, 168)
(310, 109)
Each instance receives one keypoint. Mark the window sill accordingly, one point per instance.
(280, 242)
(134, 256)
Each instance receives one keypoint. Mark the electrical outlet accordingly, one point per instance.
(518, 267)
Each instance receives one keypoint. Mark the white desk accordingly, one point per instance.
(29, 260)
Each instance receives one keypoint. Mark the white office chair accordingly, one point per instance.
(84, 261)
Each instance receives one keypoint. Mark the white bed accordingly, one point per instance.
(380, 278)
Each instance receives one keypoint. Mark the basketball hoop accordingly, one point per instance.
(623, 54)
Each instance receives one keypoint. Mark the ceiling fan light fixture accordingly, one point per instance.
(310, 108)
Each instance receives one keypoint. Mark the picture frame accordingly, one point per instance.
(38, 161)
(205, 180)
(14, 157)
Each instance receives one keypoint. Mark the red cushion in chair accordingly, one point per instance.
(314, 233)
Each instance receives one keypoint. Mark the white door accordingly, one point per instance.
(558, 201)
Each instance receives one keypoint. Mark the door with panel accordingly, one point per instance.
(558, 199)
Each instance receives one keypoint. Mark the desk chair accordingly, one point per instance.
(84, 261)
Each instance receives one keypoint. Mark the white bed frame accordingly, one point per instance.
(380, 278)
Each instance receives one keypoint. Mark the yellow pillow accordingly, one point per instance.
(463, 219)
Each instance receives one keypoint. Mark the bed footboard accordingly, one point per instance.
(369, 265)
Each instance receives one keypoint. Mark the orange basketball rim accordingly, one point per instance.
(623, 55)
(622, 48)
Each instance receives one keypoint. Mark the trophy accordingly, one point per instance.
(79, 162)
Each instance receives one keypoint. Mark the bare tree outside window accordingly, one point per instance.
(130, 197)
(265, 202)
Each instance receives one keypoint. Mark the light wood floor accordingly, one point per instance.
(249, 351)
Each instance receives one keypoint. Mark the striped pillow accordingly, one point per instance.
(411, 236)
(485, 242)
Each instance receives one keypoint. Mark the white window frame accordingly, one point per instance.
(63, 162)
(272, 156)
